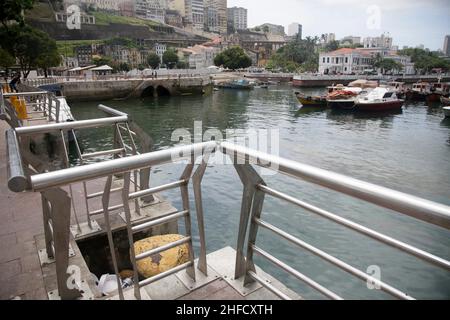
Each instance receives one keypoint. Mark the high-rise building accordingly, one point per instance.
(446, 48)
(177, 5)
(383, 41)
(195, 13)
(295, 29)
(151, 9)
(237, 18)
(216, 15)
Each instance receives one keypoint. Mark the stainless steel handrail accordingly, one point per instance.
(81, 124)
(418, 208)
(17, 180)
(111, 111)
(91, 171)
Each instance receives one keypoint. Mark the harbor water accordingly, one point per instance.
(408, 151)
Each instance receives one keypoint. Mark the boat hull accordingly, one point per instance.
(445, 101)
(433, 97)
(311, 101)
(379, 106)
(341, 104)
(447, 112)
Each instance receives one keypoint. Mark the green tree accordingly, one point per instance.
(124, 67)
(424, 61)
(49, 57)
(100, 61)
(266, 29)
(182, 65)
(299, 55)
(153, 60)
(6, 60)
(170, 58)
(11, 10)
(332, 46)
(29, 46)
(233, 58)
(387, 65)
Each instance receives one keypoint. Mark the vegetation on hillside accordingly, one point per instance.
(103, 18)
(67, 48)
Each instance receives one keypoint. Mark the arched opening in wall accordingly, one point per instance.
(162, 92)
(148, 92)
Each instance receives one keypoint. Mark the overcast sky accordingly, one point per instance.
(409, 22)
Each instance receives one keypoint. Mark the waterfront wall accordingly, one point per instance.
(134, 88)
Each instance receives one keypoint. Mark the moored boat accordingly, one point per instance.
(344, 98)
(236, 84)
(445, 101)
(437, 90)
(419, 91)
(311, 101)
(378, 99)
(447, 112)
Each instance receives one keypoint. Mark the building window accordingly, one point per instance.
(323, 60)
(346, 61)
(328, 60)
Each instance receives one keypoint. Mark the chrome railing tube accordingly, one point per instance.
(17, 180)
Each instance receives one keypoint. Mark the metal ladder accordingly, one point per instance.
(120, 149)
(137, 227)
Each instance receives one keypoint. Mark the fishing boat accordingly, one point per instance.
(236, 84)
(378, 99)
(399, 88)
(311, 101)
(344, 98)
(419, 91)
(437, 91)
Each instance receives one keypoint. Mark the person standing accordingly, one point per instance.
(14, 82)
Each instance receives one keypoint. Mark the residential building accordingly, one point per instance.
(174, 18)
(195, 14)
(446, 48)
(350, 40)
(328, 37)
(295, 29)
(84, 18)
(237, 18)
(272, 29)
(345, 61)
(106, 5)
(159, 49)
(383, 41)
(126, 8)
(177, 5)
(216, 15)
(151, 9)
(199, 56)
(259, 45)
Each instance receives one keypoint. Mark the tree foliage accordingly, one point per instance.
(153, 60)
(425, 61)
(299, 55)
(233, 58)
(6, 60)
(332, 46)
(170, 58)
(11, 10)
(387, 65)
(100, 61)
(31, 47)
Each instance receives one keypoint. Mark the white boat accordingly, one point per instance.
(446, 111)
(378, 99)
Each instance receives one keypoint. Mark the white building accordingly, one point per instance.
(195, 13)
(199, 57)
(107, 5)
(151, 9)
(446, 48)
(160, 48)
(383, 41)
(295, 29)
(177, 5)
(345, 61)
(351, 40)
(328, 37)
(237, 18)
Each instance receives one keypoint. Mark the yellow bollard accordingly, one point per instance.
(22, 110)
